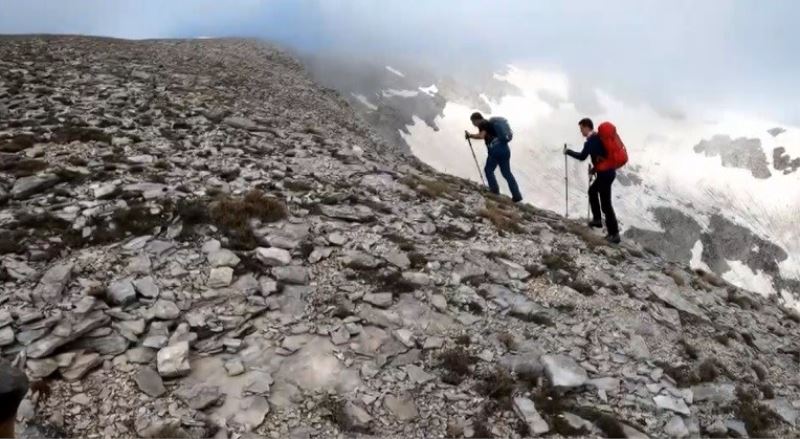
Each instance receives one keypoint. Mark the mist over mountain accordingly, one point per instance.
(715, 188)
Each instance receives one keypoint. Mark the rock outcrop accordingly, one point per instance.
(198, 241)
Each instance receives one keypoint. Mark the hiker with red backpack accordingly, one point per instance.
(497, 133)
(608, 154)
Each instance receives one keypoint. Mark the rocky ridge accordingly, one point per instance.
(198, 241)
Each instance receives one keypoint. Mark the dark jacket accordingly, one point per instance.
(593, 147)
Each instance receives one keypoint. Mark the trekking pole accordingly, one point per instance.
(566, 185)
(588, 204)
(480, 174)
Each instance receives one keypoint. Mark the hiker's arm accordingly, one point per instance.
(579, 155)
(481, 135)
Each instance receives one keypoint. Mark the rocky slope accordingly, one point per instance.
(198, 241)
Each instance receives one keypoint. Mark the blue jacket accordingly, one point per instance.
(593, 147)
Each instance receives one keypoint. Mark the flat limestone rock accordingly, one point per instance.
(52, 284)
(563, 371)
(149, 382)
(173, 361)
(526, 410)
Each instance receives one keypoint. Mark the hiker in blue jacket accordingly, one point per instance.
(499, 154)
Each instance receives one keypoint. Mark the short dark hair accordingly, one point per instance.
(476, 116)
(586, 122)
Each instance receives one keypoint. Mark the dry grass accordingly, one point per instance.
(757, 418)
(456, 363)
(234, 214)
(496, 384)
(591, 239)
(69, 134)
(504, 220)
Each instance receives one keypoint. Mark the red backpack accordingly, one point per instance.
(616, 154)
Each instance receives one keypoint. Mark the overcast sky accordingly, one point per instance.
(737, 54)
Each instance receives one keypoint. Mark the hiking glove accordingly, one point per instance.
(466, 134)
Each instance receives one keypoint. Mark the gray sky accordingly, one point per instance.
(738, 54)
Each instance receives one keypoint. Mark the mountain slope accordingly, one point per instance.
(722, 185)
(197, 240)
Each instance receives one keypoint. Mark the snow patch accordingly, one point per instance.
(743, 276)
(363, 99)
(697, 262)
(395, 71)
(400, 93)
(430, 91)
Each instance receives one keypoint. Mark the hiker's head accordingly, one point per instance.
(13, 387)
(587, 126)
(476, 118)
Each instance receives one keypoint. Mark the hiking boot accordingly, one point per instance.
(516, 200)
(597, 224)
(614, 239)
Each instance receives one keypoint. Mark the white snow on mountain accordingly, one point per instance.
(363, 99)
(430, 91)
(661, 148)
(401, 93)
(395, 71)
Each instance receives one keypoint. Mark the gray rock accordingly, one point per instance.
(26, 187)
(381, 300)
(48, 344)
(716, 393)
(121, 292)
(141, 355)
(220, 277)
(320, 253)
(563, 371)
(146, 287)
(340, 336)
(165, 310)
(105, 190)
(439, 302)
(398, 259)
(241, 122)
(113, 344)
(677, 300)
(676, 428)
(667, 402)
(292, 274)
(737, 427)
(402, 407)
(638, 347)
(418, 374)
(526, 410)
(576, 423)
(198, 396)
(717, 429)
(337, 238)
(6, 336)
(234, 367)
(52, 284)
(149, 382)
(357, 213)
(359, 260)
(81, 366)
(223, 258)
(38, 369)
(417, 279)
(356, 415)
(784, 409)
(173, 361)
(5, 318)
(251, 413)
(273, 256)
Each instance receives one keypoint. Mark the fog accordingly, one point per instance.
(735, 54)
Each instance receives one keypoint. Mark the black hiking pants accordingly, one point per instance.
(600, 199)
